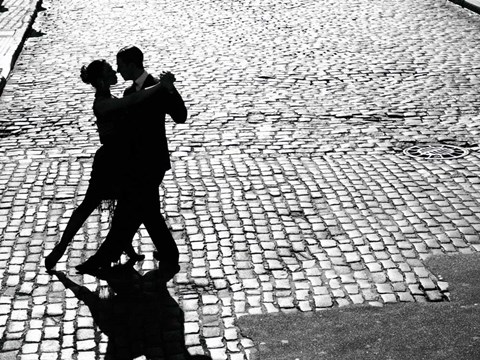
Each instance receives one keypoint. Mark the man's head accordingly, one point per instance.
(130, 62)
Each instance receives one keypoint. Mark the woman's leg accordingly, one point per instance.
(125, 223)
(79, 215)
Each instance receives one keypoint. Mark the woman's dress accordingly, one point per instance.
(109, 164)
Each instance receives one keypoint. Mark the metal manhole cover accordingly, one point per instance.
(435, 151)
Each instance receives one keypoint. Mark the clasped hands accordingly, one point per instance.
(167, 79)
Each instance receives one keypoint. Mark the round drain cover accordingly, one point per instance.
(435, 151)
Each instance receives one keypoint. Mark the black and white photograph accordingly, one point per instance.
(240, 180)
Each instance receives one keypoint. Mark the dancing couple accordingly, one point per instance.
(130, 164)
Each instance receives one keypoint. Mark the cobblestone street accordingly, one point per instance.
(289, 192)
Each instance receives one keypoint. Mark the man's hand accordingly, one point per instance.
(166, 80)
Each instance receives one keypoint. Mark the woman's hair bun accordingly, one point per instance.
(94, 71)
(84, 75)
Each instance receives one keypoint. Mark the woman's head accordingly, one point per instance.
(98, 73)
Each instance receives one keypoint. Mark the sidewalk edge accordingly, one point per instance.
(14, 53)
(467, 4)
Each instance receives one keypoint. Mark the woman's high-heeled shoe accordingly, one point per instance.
(52, 258)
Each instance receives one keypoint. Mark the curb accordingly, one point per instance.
(473, 5)
(22, 15)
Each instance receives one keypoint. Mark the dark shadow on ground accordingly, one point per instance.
(444, 330)
(462, 272)
(34, 33)
(140, 318)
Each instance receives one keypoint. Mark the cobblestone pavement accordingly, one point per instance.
(289, 192)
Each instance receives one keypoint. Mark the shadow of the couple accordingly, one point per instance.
(141, 318)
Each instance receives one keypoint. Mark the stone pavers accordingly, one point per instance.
(289, 191)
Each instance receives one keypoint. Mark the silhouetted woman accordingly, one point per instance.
(111, 162)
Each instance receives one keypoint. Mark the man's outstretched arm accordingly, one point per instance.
(174, 106)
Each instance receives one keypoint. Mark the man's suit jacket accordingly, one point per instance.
(151, 158)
